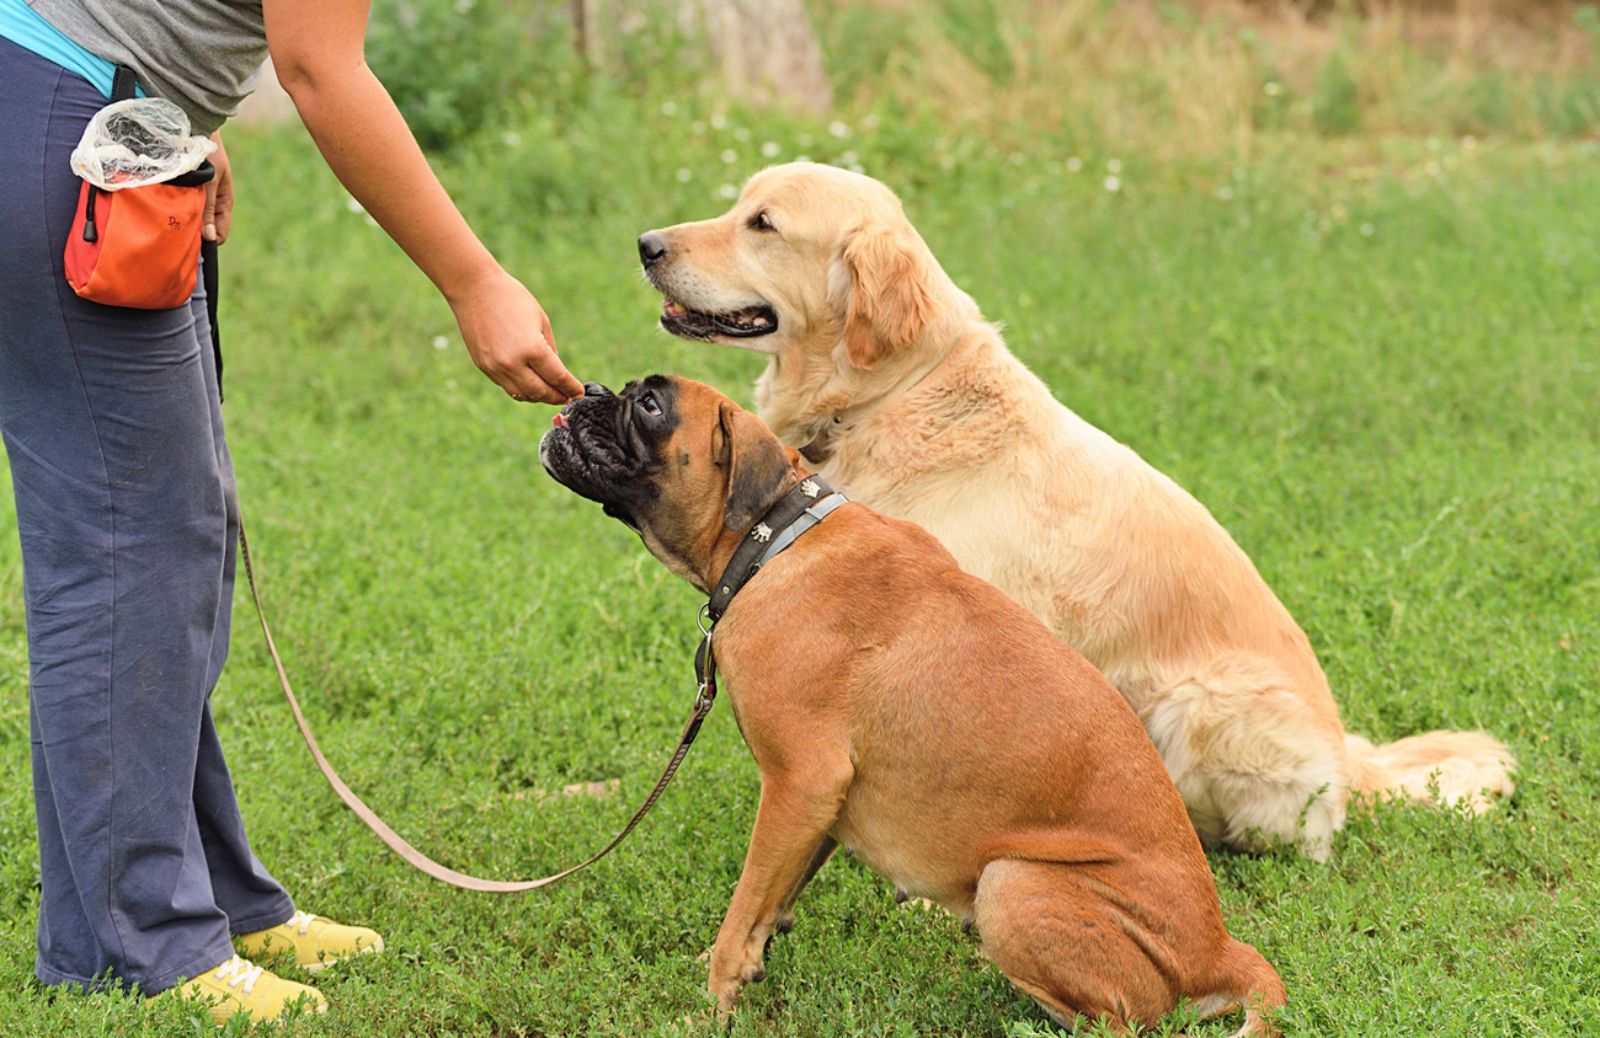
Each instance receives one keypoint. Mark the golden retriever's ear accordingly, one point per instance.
(759, 467)
(891, 300)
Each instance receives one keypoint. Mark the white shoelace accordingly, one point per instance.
(237, 970)
(301, 920)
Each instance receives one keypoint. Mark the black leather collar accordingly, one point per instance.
(798, 511)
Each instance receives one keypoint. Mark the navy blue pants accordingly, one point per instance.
(125, 505)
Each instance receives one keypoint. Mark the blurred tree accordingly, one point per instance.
(765, 51)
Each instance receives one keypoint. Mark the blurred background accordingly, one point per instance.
(1191, 79)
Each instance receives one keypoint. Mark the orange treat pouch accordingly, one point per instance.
(139, 247)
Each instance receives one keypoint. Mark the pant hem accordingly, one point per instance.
(263, 920)
(215, 956)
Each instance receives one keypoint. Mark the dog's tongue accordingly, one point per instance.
(559, 421)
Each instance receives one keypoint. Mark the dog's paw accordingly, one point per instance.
(726, 992)
(784, 923)
(733, 968)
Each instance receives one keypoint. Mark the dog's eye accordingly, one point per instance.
(760, 222)
(650, 405)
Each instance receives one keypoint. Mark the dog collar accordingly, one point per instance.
(798, 511)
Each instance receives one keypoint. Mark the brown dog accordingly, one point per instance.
(924, 720)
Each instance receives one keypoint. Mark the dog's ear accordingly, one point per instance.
(891, 296)
(758, 467)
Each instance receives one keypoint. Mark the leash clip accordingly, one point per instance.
(705, 665)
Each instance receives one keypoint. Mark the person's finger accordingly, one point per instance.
(527, 387)
(548, 332)
(224, 219)
(208, 222)
(553, 373)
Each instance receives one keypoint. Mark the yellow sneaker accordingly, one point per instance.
(315, 940)
(237, 986)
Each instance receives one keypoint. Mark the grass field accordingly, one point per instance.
(1377, 360)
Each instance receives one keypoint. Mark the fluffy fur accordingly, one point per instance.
(890, 380)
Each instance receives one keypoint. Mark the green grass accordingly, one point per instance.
(1375, 361)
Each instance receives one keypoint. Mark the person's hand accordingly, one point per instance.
(219, 197)
(510, 338)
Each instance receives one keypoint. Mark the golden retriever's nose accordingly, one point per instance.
(652, 248)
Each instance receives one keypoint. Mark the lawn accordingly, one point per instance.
(1376, 360)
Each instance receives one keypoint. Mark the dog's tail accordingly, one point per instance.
(1248, 979)
(1448, 767)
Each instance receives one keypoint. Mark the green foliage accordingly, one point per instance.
(1587, 18)
(1335, 98)
(454, 66)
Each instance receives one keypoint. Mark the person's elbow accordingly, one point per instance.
(307, 77)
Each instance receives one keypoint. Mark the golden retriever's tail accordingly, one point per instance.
(1450, 767)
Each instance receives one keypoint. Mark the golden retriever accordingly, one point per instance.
(888, 378)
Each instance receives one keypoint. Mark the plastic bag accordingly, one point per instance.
(141, 141)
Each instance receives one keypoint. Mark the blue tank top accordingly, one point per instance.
(28, 29)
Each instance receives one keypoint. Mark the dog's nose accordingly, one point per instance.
(652, 248)
(595, 389)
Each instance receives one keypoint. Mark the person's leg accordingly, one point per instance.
(123, 515)
(241, 885)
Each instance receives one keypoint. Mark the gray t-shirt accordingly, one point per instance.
(203, 55)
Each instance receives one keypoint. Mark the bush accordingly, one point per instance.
(453, 65)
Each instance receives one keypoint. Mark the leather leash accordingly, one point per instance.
(705, 671)
(705, 665)
(798, 511)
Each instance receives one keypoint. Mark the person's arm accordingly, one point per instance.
(317, 49)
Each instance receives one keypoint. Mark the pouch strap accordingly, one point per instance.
(125, 84)
(208, 274)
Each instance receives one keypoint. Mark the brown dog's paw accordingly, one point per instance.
(733, 968)
(726, 992)
(784, 923)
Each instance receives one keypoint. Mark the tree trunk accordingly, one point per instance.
(763, 50)
(766, 50)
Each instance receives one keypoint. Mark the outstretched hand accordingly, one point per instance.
(510, 338)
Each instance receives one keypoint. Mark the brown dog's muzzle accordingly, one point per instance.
(601, 446)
